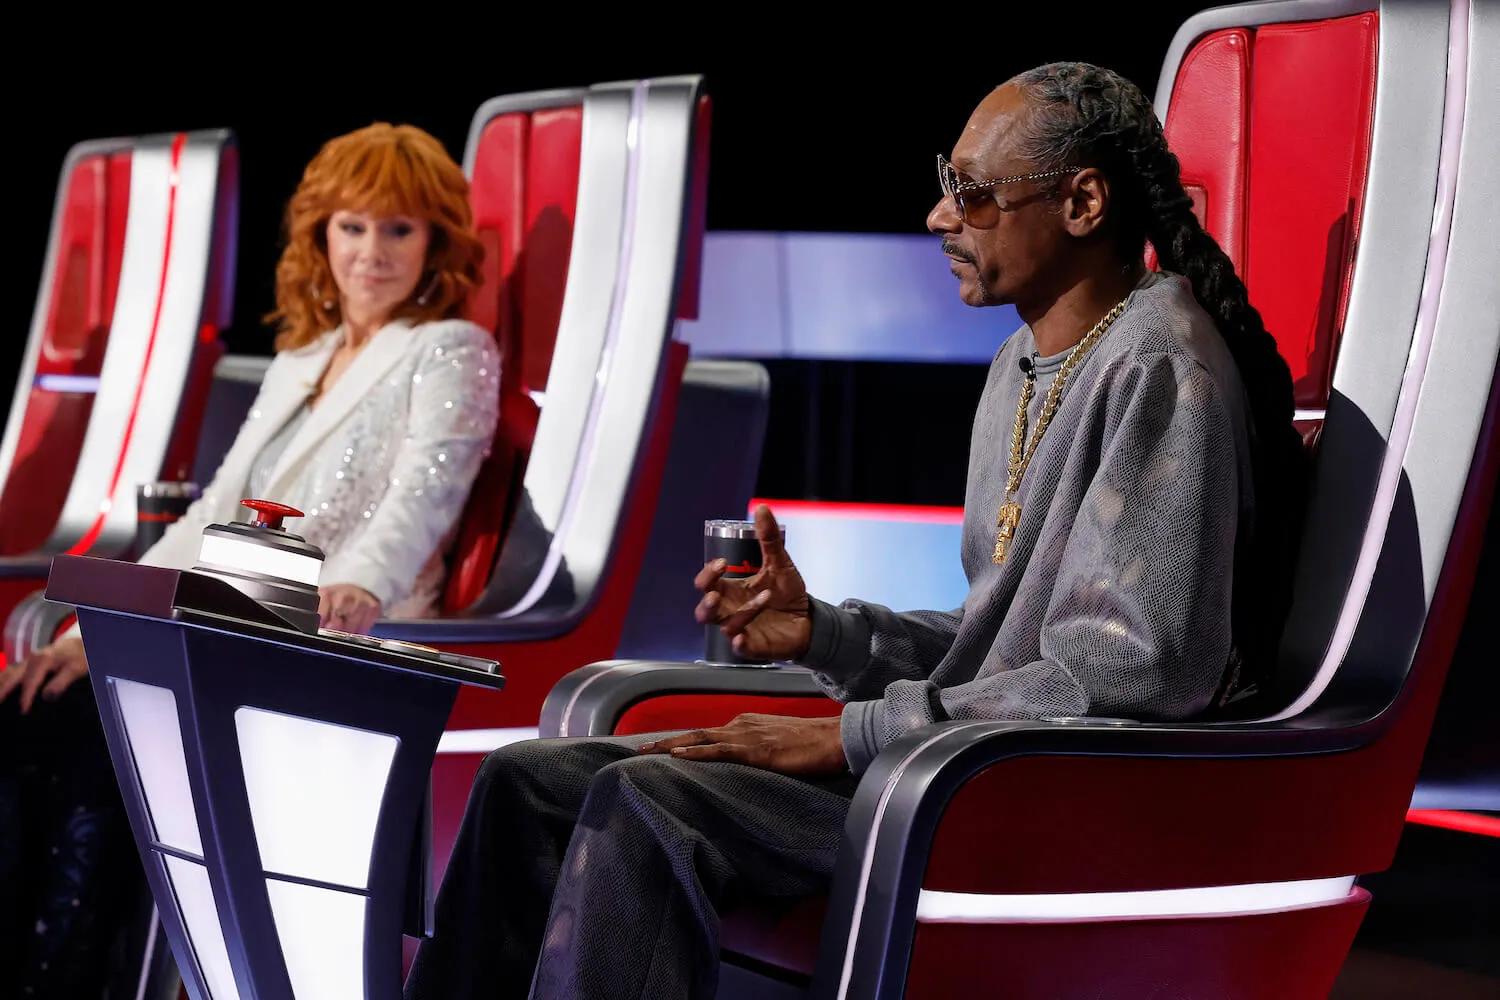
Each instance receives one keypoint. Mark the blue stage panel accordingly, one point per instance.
(855, 296)
(905, 558)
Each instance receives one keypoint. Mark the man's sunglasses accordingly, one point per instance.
(975, 201)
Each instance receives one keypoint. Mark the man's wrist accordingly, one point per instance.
(859, 733)
(838, 640)
(835, 726)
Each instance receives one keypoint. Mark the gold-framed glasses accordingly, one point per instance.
(974, 199)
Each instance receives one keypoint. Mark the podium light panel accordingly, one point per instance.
(149, 714)
(200, 915)
(315, 792)
(322, 935)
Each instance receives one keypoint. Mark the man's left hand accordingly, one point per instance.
(775, 742)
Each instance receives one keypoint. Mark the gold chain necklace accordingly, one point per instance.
(1010, 511)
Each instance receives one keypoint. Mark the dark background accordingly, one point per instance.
(814, 129)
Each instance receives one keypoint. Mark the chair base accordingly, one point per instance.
(1292, 954)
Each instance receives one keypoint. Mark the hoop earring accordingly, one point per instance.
(427, 292)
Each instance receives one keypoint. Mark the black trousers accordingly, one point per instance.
(69, 872)
(602, 871)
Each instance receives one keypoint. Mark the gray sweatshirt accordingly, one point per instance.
(1116, 596)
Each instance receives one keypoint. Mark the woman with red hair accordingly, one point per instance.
(374, 418)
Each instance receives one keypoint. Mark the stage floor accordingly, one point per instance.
(1433, 929)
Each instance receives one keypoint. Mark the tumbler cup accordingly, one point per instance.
(157, 505)
(736, 544)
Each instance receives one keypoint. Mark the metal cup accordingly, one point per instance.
(158, 505)
(736, 544)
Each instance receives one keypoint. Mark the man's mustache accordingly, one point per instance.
(952, 249)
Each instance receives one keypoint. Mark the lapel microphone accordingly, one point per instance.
(1028, 367)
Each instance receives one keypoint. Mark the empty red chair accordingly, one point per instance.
(138, 281)
(137, 284)
(590, 203)
(1343, 163)
(523, 161)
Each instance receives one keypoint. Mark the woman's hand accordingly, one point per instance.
(345, 607)
(63, 662)
(775, 742)
(764, 615)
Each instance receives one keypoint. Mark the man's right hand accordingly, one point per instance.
(765, 615)
(56, 666)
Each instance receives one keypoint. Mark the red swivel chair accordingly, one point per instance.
(137, 285)
(591, 205)
(138, 281)
(1341, 153)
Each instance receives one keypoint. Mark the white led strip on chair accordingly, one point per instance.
(229, 553)
(1214, 901)
(1392, 467)
(315, 791)
(483, 740)
(168, 348)
(567, 504)
(68, 383)
(195, 900)
(322, 934)
(149, 715)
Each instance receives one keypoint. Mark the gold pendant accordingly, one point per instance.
(1005, 530)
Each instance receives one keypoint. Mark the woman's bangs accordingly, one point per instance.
(381, 181)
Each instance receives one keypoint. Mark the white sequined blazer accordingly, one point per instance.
(382, 465)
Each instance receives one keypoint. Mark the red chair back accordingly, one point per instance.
(85, 264)
(137, 283)
(1296, 100)
(524, 191)
(524, 163)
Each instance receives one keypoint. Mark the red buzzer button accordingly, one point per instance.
(268, 513)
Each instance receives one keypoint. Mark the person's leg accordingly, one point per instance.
(661, 845)
(80, 850)
(17, 917)
(492, 907)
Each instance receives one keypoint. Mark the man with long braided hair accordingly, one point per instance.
(1132, 484)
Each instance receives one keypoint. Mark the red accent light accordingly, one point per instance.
(268, 513)
(1464, 822)
(92, 535)
(864, 511)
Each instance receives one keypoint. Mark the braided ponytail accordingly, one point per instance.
(1090, 116)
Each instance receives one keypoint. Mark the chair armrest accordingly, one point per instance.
(31, 564)
(1083, 806)
(34, 623)
(591, 700)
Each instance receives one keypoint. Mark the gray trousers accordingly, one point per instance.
(603, 871)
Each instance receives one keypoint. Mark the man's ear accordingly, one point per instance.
(1085, 202)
